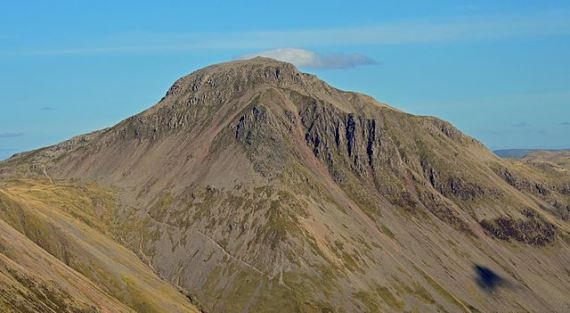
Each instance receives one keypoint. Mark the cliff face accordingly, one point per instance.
(254, 187)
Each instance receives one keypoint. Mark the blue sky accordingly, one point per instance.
(498, 70)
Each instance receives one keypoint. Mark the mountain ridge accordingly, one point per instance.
(521, 153)
(254, 187)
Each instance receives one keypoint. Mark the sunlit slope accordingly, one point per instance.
(58, 256)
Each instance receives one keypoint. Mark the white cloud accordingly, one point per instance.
(310, 59)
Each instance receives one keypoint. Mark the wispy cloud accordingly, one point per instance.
(11, 134)
(522, 125)
(460, 28)
(310, 59)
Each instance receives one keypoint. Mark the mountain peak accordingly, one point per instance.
(258, 70)
(224, 84)
(253, 65)
(255, 61)
(258, 184)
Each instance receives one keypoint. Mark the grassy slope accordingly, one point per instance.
(33, 280)
(66, 222)
(559, 160)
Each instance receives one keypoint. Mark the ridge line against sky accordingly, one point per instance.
(425, 30)
(498, 70)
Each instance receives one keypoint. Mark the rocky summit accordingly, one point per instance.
(253, 187)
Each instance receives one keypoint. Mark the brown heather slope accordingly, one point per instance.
(257, 188)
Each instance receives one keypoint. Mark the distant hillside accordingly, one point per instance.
(554, 160)
(521, 153)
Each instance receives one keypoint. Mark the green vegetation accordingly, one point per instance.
(368, 300)
(389, 298)
(444, 293)
(69, 222)
(387, 231)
